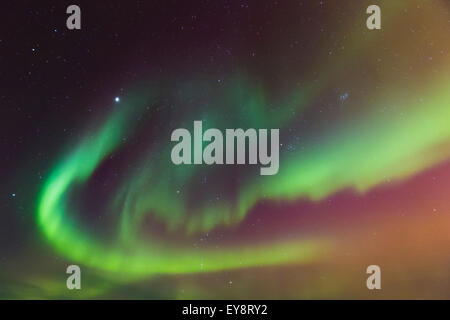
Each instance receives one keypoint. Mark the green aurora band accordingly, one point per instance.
(62, 230)
(357, 154)
(382, 148)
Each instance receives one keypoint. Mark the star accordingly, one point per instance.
(117, 99)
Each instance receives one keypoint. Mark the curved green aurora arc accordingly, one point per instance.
(382, 146)
(365, 147)
(62, 230)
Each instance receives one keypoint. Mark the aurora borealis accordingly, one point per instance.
(364, 169)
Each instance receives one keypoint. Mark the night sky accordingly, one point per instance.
(87, 179)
